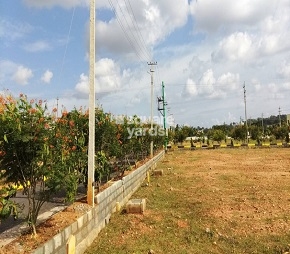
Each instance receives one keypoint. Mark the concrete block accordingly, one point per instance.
(90, 215)
(79, 237)
(57, 241)
(80, 222)
(74, 227)
(90, 226)
(67, 232)
(49, 247)
(98, 217)
(158, 172)
(85, 218)
(61, 250)
(39, 250)
(84, 231)
(136, 206)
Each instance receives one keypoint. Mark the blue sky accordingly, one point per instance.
(205, 51)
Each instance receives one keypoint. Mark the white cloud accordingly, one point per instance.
(210, 87)
(206, 83)
(275, 31)
(257, 84)
(224, 14)
(150, 24)
(284, 70)
(228, 81)
(51, 3)
(236, 47)
(83, 85)
(37, 46)
(286, 85)
(7, 69)
(273, 88)
(22, 75)
(15, 72)
(190, 88)
(108, 78)
(64, 3)
(13, 30)
(47, 76)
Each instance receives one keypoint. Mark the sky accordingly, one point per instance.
(205, 50)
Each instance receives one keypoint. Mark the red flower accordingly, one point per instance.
(71, 123)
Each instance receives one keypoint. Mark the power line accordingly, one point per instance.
(129, 29)
(139, 34)
(125, 32)
(66, 45)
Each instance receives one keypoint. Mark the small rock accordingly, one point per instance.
(151, 252)
(158, 185)
(207, 230)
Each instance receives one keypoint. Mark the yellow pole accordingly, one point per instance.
(148, 178)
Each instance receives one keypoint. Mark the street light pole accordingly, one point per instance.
(245, 101)
(164, 115)
(151, 119)
(91, 147)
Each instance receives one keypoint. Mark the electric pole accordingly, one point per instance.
(263, 124)
(162, 111)
(279, 116)
(245, 101)
(91, 148)
(151, 119)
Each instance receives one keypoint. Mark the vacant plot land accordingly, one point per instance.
(209, 201)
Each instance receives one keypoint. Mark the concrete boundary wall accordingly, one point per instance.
(86, 228)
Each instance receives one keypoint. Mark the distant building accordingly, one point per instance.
(195, 138)
(288, 120)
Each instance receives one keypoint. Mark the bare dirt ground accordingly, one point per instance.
(209, 201)
(45, 231)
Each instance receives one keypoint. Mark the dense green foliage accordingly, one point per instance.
(45, 154)
(267, 130)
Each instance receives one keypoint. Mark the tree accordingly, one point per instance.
(218, 135)
(256, 133)
(23, 137)
(68, 143)
(180, 134)
(37, 152)
(239, 132)
(280, 132)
